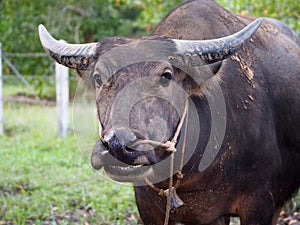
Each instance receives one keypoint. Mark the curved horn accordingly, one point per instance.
(210, 51)
(76, 56)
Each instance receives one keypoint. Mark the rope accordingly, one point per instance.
(159, 191)
(170, 147)
(179, 174)
(168, 207)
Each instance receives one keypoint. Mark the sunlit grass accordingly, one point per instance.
(43, 178)
(46, 180)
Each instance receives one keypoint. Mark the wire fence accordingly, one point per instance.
(19, 75)
(60, 75)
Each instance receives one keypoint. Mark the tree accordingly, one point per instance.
(287, 11)
(92, 20)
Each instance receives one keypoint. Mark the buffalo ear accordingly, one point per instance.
(200, 74)
(85, 77)
(215, 67)
(81, 73)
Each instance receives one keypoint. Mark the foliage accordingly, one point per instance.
(287, 11)
(73, 21)
(92, 20)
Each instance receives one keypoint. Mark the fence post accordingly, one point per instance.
(62, 98)
(1, 94)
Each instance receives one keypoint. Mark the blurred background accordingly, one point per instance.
(44, 179)
(92, 20)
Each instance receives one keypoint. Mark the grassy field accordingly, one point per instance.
(45, 180)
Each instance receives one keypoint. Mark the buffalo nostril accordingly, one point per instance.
(117, 141)
(120, 135)
(108, 136)
(124, 136)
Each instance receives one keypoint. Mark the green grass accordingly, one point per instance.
(44, 178)
(47, 180)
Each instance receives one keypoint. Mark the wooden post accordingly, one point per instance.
(62, 98)
(1, 94)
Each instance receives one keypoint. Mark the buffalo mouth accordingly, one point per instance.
(115, 169)
(128, 173)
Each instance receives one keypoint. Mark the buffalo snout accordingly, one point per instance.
(118, 142)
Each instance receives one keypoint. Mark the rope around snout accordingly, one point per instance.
(170, 147)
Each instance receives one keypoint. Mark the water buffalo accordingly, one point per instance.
(219, 88)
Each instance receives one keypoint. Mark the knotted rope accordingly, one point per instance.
(170, 147)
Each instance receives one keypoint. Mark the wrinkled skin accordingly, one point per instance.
(256, 169)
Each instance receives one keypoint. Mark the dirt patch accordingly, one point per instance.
(31, 100)
(267, 27)
(245, 67)
(87, 217)
(289, 218)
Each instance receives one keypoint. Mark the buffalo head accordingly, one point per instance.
(141, 85)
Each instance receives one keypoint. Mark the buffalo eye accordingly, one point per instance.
(98, 80)
(165, 79)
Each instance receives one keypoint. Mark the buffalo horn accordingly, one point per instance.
(210, 51)
(76, 56)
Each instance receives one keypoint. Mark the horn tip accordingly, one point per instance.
(41, 29)
(260, 20)
(41, 26)
(45, 38)
(256, 23)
